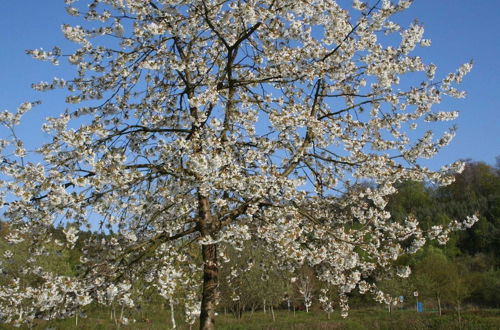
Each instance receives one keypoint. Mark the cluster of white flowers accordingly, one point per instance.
(71, 235)
(442, 116)
(42, 55)
(75, 33)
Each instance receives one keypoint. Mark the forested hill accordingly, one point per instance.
(475, 190)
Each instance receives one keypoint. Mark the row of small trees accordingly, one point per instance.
(442, 283)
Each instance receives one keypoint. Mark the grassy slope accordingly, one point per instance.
(360, 319)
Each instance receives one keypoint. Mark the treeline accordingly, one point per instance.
(465, 271)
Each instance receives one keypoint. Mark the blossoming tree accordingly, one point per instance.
(207, 123)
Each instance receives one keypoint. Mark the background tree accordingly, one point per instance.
(305, 286)
(476, 188)
(434, 277)
(460, 286)
(204, 122)
(251, 280)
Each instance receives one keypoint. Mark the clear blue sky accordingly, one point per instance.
(460, 30)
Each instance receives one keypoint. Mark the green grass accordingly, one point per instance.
(363, 319)
(358, 319)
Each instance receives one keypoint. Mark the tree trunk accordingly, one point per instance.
(439, 305)
(210, 280)
(113, 316)
(172, 315)
(272, 312)
(210, 266)
(240, 309)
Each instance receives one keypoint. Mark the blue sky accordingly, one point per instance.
(460, 30)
